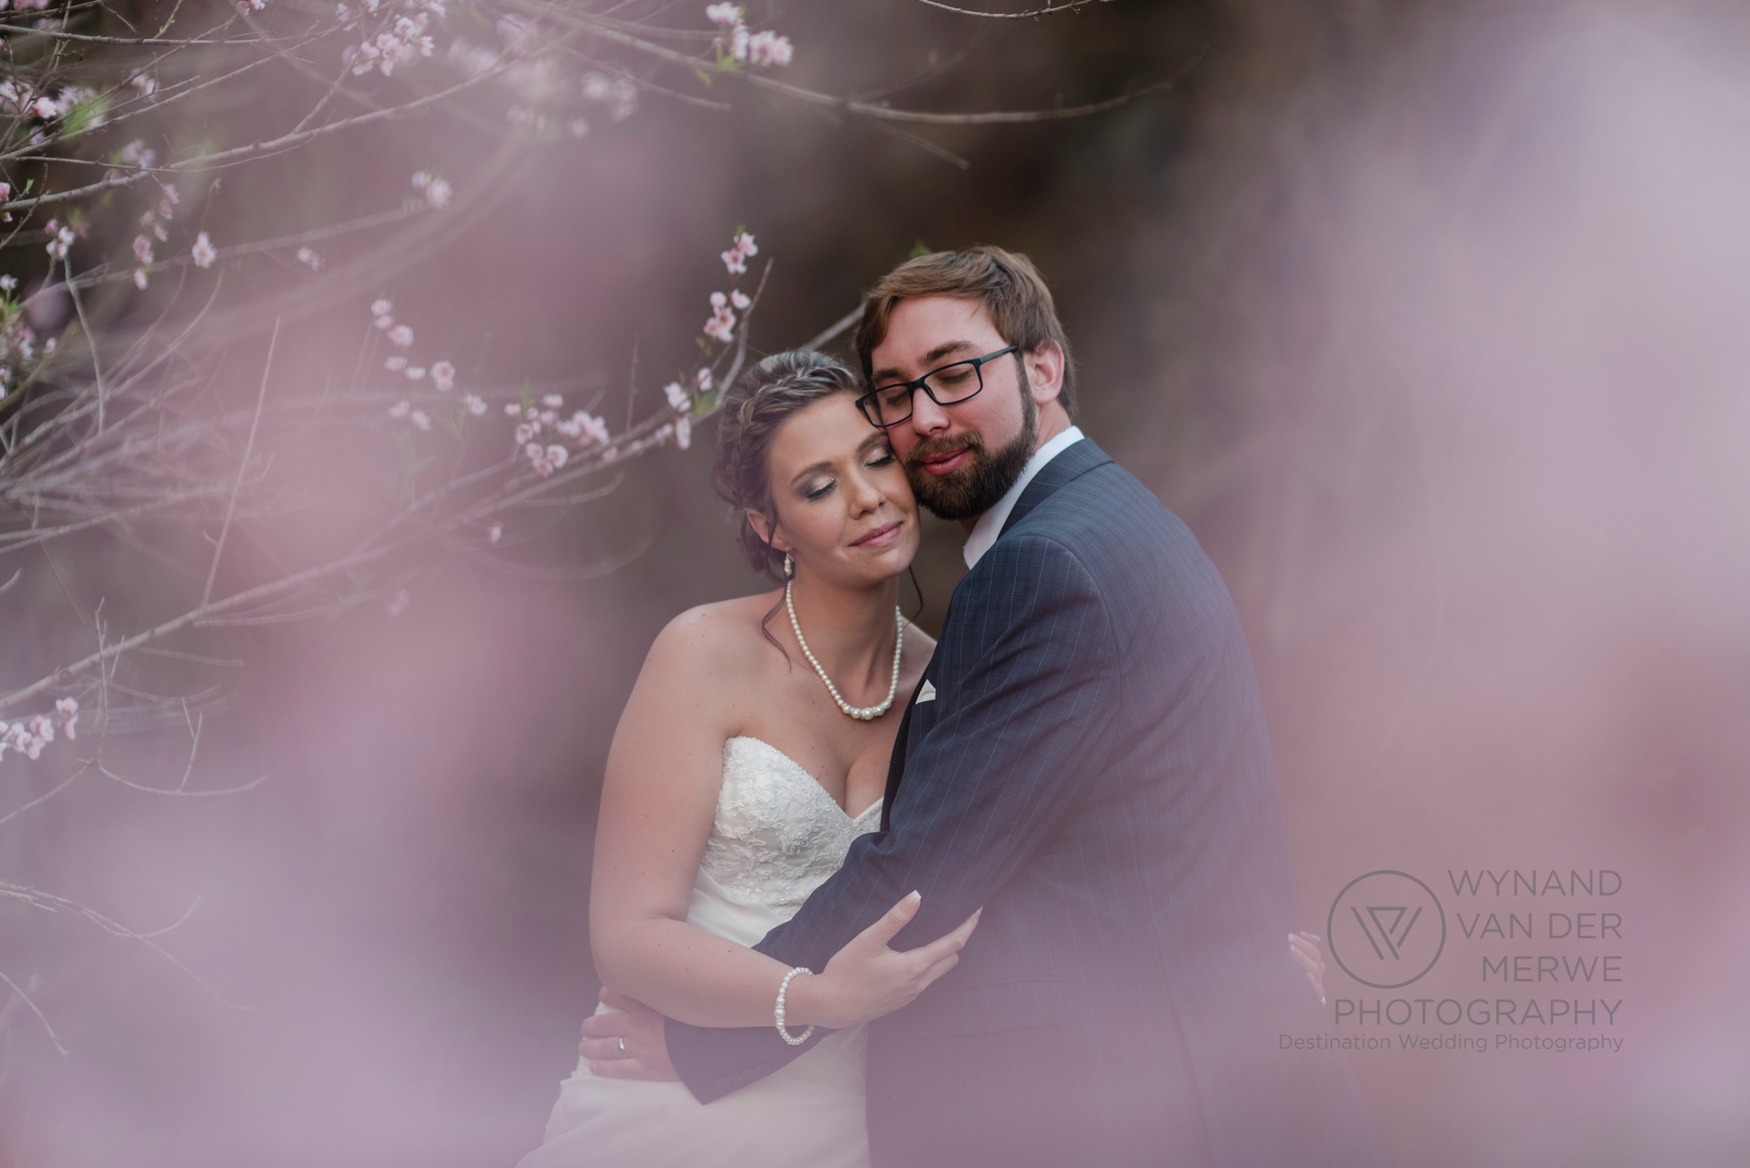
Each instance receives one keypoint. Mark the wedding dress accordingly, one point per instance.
(776, 837)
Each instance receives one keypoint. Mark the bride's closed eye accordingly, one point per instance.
(820, 488)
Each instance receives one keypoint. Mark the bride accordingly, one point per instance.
(754, 748)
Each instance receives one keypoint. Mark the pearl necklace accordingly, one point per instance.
(861, 713)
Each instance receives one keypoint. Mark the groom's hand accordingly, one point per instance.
(627, 1045)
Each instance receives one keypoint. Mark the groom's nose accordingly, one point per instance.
(926, 416)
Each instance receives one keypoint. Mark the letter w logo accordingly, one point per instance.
(1388, 927)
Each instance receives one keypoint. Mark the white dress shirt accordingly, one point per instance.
(990, 524)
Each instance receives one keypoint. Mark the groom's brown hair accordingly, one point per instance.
(1009, 286)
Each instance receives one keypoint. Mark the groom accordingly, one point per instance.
(1086, 758)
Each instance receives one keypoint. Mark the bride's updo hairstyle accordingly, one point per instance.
(759, 402)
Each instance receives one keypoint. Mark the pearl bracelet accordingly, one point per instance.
(778, 1010)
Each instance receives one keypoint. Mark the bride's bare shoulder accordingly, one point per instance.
(718, 640)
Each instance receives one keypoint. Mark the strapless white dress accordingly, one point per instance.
(776, 837)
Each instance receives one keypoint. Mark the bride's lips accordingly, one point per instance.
(943, 464)
(880, 537)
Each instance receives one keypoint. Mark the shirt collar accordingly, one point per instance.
(990, 524)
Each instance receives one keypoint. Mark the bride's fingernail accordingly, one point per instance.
(915, 895)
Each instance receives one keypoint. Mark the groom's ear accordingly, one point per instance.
(1045, 366)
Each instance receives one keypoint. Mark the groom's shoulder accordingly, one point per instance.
(1107, 507)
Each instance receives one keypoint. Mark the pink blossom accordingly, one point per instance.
(381, 307)
(735, 261)
(135, 153)
(473, 404)
(513, 410)
(140, 280)
(400, 336)
(204, 255)
(542, 467)
(416, 373)
(740, 300)
(557, 455)
(143, 249)
(443, 376)
(60, 239)
(552, 401)
(548, 417)
(595, 428)
(395, 364)
(420, 419)
(495, 533)
(724, 16)
(704, 381)
(770, 50)
(526, 431)
(438, 194)
(677, 397)
(308, 257)
(745, 245)
(721, 326)
(400, 409)
(683, 431)
(385, 321)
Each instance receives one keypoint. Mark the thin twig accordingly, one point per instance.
(242, 466)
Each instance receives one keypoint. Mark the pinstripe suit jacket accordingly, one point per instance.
(1094, 770)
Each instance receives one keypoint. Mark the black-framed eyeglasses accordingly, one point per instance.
(889, 405)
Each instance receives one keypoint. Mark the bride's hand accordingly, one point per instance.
(1304, 948)
(866, 979)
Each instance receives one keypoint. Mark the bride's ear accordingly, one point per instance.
(763, 527)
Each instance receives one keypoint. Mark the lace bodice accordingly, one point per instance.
(778, 835)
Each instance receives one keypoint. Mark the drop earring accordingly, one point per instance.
(789, 566)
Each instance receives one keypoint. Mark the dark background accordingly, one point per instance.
(1424, 316)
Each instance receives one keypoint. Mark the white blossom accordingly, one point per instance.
(204, 255)
(443, 376)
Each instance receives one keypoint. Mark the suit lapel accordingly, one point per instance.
(896, 765)
(1071, 464)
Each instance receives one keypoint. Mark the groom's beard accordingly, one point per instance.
(987, 476)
